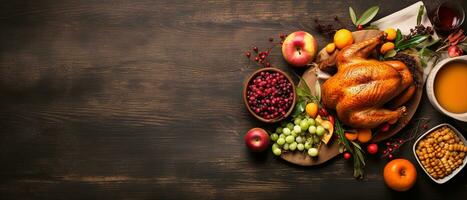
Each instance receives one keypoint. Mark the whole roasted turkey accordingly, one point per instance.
(362, 87)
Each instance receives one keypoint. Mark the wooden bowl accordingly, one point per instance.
(245, 87)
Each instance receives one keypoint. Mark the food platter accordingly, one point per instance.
(327, 152)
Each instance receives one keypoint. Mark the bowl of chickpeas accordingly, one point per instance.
(441, 152)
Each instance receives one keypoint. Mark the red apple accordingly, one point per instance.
(257, 139)
(299, 48)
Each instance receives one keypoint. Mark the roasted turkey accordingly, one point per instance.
(362, 87)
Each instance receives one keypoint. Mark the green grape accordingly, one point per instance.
(316, 139)
(319, 131)
(326, 126)
(277, 152)
(275, 146)
(293, 146)
(282, 136)
(297, 129)
(294, 134)
(297, 121)
(304, 125)
(313, 152)
(274, 137)
(300, 147)
(286, 131)
(281, 141)
(290, 125)
(279, 130)
(289, 139)
(311, 122)
(312, 129)
(299, 139)
(286, 146)
(307, 145)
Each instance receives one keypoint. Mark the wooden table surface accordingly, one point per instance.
(140, 99)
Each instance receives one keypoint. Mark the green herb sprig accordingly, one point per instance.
(366, 17)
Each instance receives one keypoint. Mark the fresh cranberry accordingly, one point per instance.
(255, 49)
(347, 155)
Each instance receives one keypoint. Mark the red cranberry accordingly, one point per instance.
(360, 27)
(255, 49)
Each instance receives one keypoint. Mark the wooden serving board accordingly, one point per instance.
(327, 152)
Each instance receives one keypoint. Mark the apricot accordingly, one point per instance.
(391, 34)
(364, 135)
(311, 109)
(388, 46)
(330, 48)
(351, 136)
(343, 38)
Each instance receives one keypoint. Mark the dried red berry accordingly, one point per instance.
(347, 155)
(385, 127)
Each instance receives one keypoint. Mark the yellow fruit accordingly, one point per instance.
(311, 109)
(387, 47)
(391, 34)
(330, 48)
(343, 38)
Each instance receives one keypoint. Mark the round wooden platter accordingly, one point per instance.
(331, 150)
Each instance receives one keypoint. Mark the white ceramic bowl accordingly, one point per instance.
(456, 171)
(431, 92)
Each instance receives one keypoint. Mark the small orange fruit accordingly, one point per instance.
(330, 48)
(351, 136)
(391, 34)
(311, 109)
(364, 135)
(388, 46)
(343, 38)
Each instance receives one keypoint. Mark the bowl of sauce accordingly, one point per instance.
(446, 87)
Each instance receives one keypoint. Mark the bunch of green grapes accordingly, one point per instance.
(304, 134)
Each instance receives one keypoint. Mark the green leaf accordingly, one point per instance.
(353, 17)
(372, 27)
(427, 43)
(398, 36)
(318, 90)
(421, 10)
(303, 88)
(299, 108)
(390, 53)
(368, 15)
(405, 44)
(301, 92)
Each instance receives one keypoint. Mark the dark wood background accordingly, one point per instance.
(132, 99)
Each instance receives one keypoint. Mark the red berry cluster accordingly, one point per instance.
(261, 57)
(270, 94)
(392, 147)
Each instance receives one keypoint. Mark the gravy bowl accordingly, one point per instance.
(430, 85)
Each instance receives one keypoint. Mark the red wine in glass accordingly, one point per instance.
(448, 17)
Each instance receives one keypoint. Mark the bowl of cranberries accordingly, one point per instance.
(269, 94)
